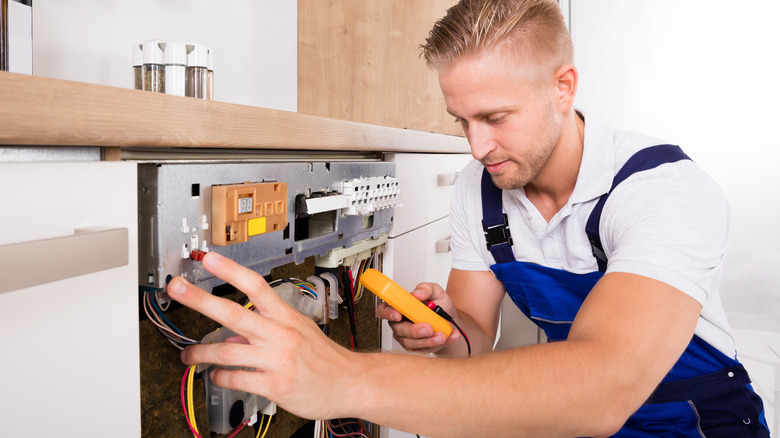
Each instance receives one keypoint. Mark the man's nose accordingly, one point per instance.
(481, 140)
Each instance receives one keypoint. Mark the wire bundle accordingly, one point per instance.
(350, 427)
(375, 261)
(187, 405)
(154, 311)
(303, 286)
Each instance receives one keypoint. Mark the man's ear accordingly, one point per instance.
(566, 81)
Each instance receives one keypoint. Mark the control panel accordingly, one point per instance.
(260, 214)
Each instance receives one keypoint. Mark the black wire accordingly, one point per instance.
(350, 302)
(468, 344)
(441, 312)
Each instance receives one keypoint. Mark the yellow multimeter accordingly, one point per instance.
(402, 301)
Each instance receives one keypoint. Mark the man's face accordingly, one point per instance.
(509, 120)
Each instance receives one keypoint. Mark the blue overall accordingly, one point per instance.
(705, 394)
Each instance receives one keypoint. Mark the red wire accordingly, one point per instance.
(184, 408)
(241, 426)
(184, 403)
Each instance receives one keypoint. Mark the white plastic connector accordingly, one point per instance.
(322, 295)
(194, 242)
(346, 256)
(269, 409)
(333, 295)
(367, 195)
(307, 305)
(326, 203)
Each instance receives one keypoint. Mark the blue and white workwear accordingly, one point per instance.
(642, 207)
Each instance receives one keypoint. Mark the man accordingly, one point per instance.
(642, 347)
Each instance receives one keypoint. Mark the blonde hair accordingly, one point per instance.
(534, 29)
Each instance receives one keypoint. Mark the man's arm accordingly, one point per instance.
(627, 335)
(473, 299)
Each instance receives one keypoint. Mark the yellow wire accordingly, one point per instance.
(260, 427)
(266, 427)
(190, 407)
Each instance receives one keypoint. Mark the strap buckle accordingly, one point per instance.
(497, 234)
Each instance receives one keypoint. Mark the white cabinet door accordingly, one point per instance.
(418, 247)
(70, 357)
(426, 183)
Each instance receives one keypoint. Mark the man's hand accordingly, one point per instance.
(420, 337)
(295, 364)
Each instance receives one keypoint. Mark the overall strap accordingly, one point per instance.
(494, 222)
(645, 159)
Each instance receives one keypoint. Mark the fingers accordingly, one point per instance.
(384, 311)
(255, 382)
(425, 291)
(249, 282)
(225, 354)
(228, 313)
(421, 337)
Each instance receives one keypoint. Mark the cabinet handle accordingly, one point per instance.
(444, 246)
(447, 179)
(44, 261)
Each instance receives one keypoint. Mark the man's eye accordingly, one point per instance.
(495, 119)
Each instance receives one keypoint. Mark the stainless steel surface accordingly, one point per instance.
(37, 262)
(16, 154)
(171, 218)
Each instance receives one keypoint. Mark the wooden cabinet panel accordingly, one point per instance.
(359, 60)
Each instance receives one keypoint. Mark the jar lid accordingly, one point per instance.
(175, 53)
(153, 52)
(138, 54)
(210, 60)
(197, 55)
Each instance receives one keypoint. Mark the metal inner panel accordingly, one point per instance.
(175, 215)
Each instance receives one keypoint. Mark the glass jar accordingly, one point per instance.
(197, 71)
(154, 66)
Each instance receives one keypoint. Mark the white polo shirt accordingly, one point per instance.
(670, 223)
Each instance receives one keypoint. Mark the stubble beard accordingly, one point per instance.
(520, 173)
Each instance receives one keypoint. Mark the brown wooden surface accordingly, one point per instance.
(359, 60)
(44, 111)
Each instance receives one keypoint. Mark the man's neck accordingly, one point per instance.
(551, 189)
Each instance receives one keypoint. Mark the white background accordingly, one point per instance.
(701, 75)
(255, 43)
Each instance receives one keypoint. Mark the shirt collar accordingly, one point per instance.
(598, 163)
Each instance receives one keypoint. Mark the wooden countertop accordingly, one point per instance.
(52, 112)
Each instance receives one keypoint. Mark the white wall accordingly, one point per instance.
(701, 75)
(255, 43)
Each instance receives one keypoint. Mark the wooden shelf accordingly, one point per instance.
(52, 112)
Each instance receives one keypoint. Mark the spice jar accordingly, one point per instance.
(154, 66)
(210, 76)
(175, 68)
(138, 61)
(197, 71)
(16, 43)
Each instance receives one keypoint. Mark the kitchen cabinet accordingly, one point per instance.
(70, 339)
(418, 248)
(73, 344)
(359, 60)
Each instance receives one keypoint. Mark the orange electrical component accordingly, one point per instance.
(240, 211)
